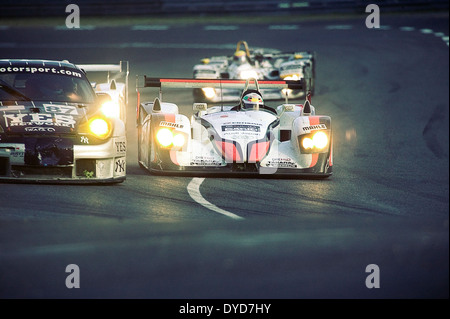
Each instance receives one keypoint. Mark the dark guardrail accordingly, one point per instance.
(42, 8)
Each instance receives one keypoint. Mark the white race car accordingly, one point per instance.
(247, 138)
(55, 128)
(259, 64)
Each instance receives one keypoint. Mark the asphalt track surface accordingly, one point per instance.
(387, 203)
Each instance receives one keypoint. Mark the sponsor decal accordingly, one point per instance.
(61, 109)
(170, 124)
(39, 129)
(32, 70)
(40, 119)
(12, 108)
(17, 151)
(205, 161)
(84, 139)
(120, 166)
(241, 127)
(121, 147)
(315, 127)
(281, 163)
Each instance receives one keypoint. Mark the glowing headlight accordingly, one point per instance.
(100, 127)
(307, 143)
(178, 140)
(111, 109)
(292, 77)
(209, 92)
(167, 138)
(320, 140)
(248, 74)
(164, 137)
(315, 142)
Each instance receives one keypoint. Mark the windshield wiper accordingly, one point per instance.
(9, 89)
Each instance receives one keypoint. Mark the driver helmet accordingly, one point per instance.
(252, 101)
(240, 57)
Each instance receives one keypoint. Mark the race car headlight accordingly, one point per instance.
(248, 74)
(166, 138)
(307, 143)
(286, 92)
(178, 140)
(314, 142)
(209, 92)
(292, 77)
(111, 109)
(100, 127)
(320, 140)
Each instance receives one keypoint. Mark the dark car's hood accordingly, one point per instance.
(42, 117)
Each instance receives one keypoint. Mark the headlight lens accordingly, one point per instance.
(286, 92)
(293, 77)
(100, 127)
(178, 140)
(209, 92)
(111, 109)
(248, 74)
(166, 138)
(314, 142)
(307, 143)
(320, 140)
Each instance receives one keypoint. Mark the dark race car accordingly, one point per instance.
(55, 128)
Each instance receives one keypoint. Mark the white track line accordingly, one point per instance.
(193, 189)
(221, 28)
(150, 27)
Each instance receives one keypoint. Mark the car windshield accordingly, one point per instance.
(59, 87)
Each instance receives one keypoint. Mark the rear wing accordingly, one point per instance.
(120, 70)
(183, 83)
(217, 83)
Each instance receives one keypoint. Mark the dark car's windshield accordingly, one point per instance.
(22, 86)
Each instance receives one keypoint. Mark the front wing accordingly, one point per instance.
(200, 158)
(272, 166)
